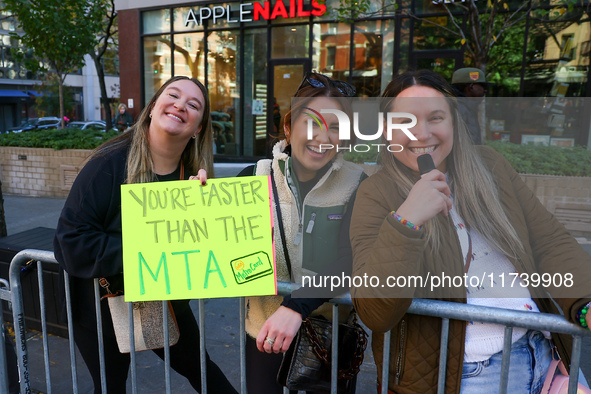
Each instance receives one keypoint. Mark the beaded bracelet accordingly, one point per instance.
(582, 314)
(404, 221)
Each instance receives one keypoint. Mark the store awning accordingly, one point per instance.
(12, 93)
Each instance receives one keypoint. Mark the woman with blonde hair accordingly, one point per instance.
(172, 140)
(470, 216)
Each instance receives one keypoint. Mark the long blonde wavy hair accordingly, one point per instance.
(473, 187)
(139, 167)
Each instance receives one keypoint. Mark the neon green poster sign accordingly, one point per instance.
(182, 240)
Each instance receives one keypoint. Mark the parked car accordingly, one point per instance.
(95, 124)
(37, 124)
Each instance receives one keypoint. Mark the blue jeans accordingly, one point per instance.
(530, 359)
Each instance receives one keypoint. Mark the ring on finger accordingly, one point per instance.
(270, 341)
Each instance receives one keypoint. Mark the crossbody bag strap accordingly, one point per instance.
(280, 222)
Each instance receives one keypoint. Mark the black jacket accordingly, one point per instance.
(88, 242)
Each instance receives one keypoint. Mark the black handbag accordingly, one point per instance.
(307, 363)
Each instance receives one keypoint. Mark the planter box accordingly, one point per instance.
(50, 173)
(39, 171)
(568, 198)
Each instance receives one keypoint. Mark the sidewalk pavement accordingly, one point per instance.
(221, 328)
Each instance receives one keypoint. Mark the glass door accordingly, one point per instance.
(285, 76)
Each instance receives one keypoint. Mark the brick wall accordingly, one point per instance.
(49, 173)
(39, 172)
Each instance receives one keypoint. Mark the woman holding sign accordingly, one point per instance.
(172, 140)
(314, 186)
(468, 215)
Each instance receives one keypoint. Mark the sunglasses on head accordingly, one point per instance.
(346, 89)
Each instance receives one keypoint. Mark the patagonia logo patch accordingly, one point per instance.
(335, 217)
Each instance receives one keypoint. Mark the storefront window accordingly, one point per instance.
(255, 85)
(189, 54)
(429, 36)
(330, 14)
(558, 63)
(157, 60)
(504, 66)
(404, 39)
(373, 54)
(331, 49)
(382, 8)
(289, 14)
(289, 41)
(157, 21)
(223, 85)
(180, 16)
(225, 21)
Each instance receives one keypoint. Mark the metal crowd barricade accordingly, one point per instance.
(445, 310)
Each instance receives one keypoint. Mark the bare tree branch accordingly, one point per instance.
(507, 25)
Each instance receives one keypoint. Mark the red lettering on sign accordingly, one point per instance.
(260, 10)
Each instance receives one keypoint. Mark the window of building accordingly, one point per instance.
(189, 55)
(373, 43)
(331, 49)
(567, 46)
(331, 57)
(157, 21)
(224, 89)
(180, 17)
(504, 64)
(556, 63)
(255, 91)
(289, 41)
(157, 52)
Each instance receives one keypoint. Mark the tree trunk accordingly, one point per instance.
(3, 231)
(100, 71)
(61, 98)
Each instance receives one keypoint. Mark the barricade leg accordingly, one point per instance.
(166, 346)
(18, 314)
(132, 348)
(574, 364)
(71, 334)
(506, 359)
(44, 326)
(334, 370)
(3, 363)
(386, 362)
(202, 347)
(99, 329)
(443, 355)
(242, 318)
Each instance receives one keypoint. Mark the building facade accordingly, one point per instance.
(253, 55)
(20, 88)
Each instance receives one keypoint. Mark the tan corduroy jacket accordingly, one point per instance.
(382, 247)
